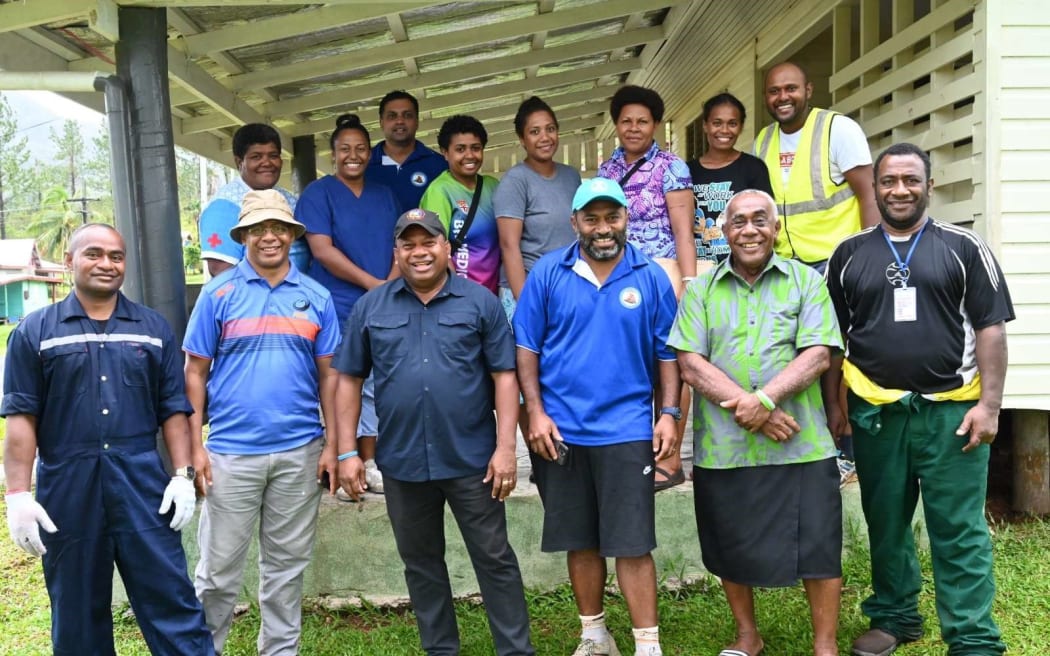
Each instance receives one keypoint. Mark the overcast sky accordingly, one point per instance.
(39, 111)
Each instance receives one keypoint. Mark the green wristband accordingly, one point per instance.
(767, 402)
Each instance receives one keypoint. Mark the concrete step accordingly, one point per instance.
(355, 555)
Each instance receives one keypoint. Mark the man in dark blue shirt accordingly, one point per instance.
(87, 383)
(443, 357)
(400, 161)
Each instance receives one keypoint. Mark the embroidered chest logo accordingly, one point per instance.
(419, 179)
(630, 298)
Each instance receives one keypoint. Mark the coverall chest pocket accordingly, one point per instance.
(388, 334)
(67, 369)
(135, 364)
(458, 334)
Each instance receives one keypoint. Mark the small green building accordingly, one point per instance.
(27, 282)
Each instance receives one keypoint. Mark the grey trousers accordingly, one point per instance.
(417, 515)
(279, 492)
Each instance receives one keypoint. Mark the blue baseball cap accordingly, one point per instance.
(598, 189)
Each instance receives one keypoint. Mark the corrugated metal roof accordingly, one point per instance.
(301, 64)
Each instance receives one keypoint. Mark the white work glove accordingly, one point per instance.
(24, 518)
(180, 492)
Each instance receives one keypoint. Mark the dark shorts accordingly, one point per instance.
(602, 498)
(770, 526)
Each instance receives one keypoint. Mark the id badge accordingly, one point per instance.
(904, 304)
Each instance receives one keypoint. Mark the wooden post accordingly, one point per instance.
(1031, 462)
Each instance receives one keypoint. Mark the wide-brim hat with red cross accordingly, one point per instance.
(262, 205)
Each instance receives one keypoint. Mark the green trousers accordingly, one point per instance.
(901, 449)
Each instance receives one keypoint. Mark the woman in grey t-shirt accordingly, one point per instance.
(533, 202)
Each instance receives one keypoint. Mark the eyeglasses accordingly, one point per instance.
(278, 229)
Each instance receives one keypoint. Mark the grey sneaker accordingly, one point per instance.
(589, 647)
(373, 477)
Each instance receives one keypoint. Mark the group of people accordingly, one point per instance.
(394, 328)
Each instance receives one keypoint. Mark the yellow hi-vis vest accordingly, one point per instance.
(815, 213)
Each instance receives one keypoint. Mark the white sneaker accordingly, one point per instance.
(373, 477)
(589, 647)
(847, 472)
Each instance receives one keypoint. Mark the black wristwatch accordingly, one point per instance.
(187, 472)
(674, 411)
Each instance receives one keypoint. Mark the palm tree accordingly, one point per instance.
(55, 223)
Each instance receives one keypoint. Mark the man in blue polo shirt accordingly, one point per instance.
(591, 326)
(400, 161)
(87, 383)
(258, 348)
(442, 354)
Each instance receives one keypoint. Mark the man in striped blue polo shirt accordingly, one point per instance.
(258, 348)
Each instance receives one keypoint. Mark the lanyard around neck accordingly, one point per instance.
(902, 266)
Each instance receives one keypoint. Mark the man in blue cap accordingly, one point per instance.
(591, 328)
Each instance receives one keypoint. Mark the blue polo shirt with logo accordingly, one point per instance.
(410, 179)
(598, 344)
(263, 343)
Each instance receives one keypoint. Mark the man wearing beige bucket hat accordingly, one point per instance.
(258, 348)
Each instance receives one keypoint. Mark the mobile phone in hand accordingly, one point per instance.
(563, 452)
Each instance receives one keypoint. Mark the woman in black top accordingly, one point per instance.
(721, 172)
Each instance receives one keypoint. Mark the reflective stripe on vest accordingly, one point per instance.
(832, 209)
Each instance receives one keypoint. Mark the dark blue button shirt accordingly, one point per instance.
(433, 368)
(410, 179)
(91, 390)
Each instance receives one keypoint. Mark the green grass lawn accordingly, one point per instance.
(693, 620)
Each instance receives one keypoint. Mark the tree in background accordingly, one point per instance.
(70, 146)
(80, 168)
(191, 256)
(14, 157)
(188, 179)
(54, 225)
(98, 176)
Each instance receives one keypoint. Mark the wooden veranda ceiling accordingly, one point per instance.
(299, 65)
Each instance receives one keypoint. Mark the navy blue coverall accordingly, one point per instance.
(99, 396)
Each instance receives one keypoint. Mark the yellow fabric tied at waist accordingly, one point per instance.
(875, 394)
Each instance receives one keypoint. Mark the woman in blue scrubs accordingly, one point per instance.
(350, 230)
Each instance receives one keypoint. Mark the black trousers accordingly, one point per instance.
(417, 515)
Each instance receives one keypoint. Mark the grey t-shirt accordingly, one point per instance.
(544, 204)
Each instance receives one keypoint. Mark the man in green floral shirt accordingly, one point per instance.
(753, 335)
